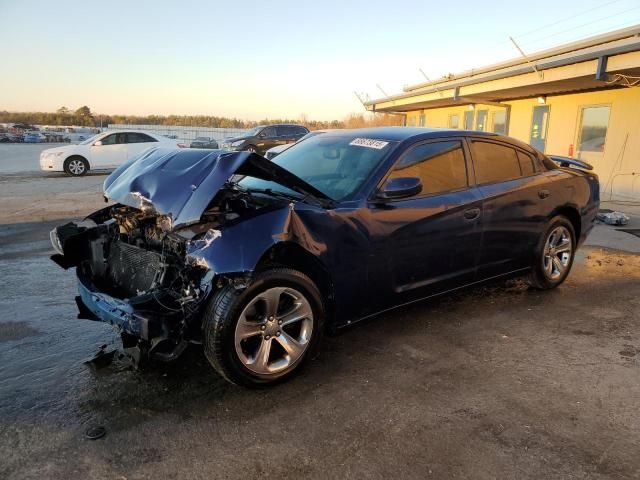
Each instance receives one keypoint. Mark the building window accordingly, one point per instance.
(454, 121)
(593, 129)
(499, 122)
(481, 120)
(468, 120)
(421, 120)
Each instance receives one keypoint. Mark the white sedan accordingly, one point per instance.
(105, 150)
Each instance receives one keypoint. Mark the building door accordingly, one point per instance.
(539, 127)
(468, 120)
(481, 120)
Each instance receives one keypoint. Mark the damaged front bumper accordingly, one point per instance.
(123, 314)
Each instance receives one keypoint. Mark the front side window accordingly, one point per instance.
(454, 121)
(593, 129)
(109, 139)
(440, 166)
(494, 162)
(500, 122)
(335, 165)
(269, 132)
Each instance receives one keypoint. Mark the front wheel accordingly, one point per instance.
(251, 149)
(264, 333)
(76, 166)
(554, 255)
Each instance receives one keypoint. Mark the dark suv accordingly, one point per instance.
(263, 137)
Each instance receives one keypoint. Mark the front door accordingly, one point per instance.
(430, 242)
(110, 152)
(539, 124)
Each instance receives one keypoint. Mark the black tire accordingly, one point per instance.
(223, 312)
(251, 148)
(539, 278)
(76, 166)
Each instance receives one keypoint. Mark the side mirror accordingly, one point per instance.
(261, 135)
(98, 143)
(400, 187)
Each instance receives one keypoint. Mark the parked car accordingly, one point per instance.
(5, 138)
(262, 138)
(34, 137)
(204, 142)
(105, 150)
(275, 151)
(336, 229)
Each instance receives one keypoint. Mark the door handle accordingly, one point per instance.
(472, 213)
(544, 193)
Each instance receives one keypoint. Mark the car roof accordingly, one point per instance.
(403, 133)
(400, 134)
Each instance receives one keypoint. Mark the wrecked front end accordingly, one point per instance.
(148, 264)
(137, 275)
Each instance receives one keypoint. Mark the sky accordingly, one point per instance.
(266, 59)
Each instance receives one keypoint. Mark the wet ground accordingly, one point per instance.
(495, 382)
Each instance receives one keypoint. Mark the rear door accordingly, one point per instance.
(138, 143)
(516, 205)
(429, 242)
(111, 152)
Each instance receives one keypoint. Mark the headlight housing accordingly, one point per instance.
(55, 241)
(237, 143)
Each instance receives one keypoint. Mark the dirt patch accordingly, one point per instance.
(15, 331)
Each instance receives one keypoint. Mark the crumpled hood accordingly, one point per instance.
(180, 183)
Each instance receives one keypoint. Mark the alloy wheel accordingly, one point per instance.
(76, 167)
(274, 331)
(557, 253)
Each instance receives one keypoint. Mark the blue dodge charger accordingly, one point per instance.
(255, 260)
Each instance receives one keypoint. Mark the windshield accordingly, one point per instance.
(335, 165)
(90, 139)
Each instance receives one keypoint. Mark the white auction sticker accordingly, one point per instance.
(369, 142)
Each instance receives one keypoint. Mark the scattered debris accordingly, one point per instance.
(102, 358)
(94, 433)
(612, 218)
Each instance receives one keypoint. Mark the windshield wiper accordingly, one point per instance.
(289, 196)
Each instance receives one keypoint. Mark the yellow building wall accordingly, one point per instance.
(618, 166)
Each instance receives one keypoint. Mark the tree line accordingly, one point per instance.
(83, 116)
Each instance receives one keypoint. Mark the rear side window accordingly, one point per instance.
(285, 131)
(494, 162)
(527, 165)
(139, 138)
(440, 166)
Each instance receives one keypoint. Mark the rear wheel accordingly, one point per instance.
(263, 334)
(554, 255)
(76, 166)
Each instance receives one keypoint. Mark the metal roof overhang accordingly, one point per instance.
(587, 69)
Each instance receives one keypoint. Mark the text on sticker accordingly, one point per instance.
(369, 142)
